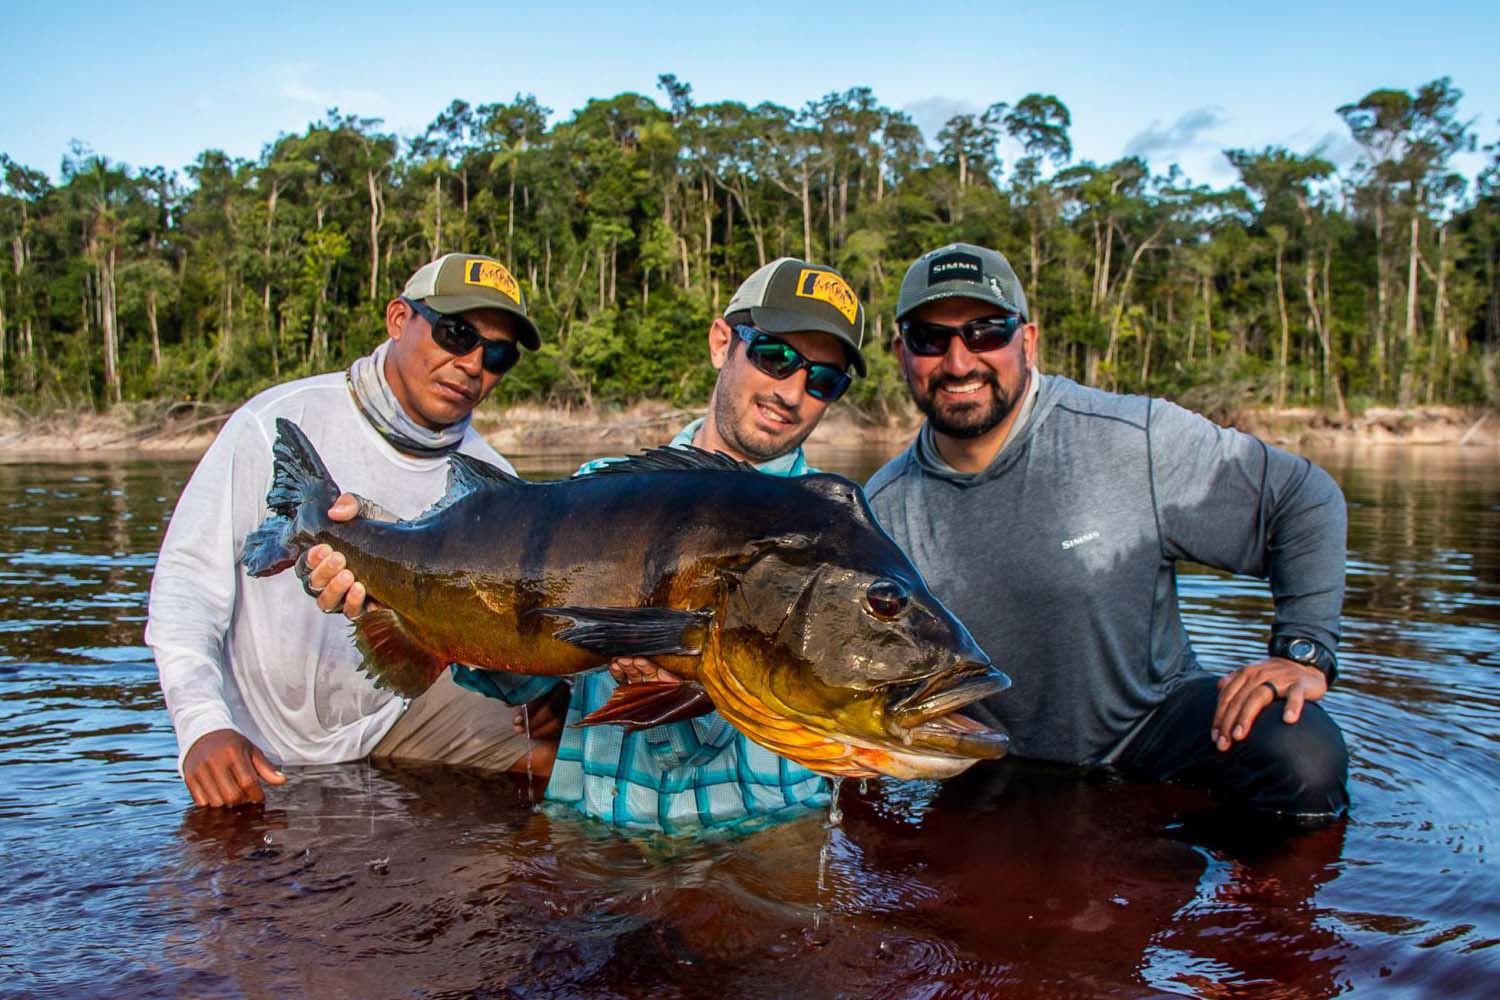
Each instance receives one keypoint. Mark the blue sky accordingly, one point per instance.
(158, 82)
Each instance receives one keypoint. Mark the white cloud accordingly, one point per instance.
(298, 83)
(931, 113)
(1168, 143)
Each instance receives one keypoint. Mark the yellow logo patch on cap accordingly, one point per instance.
(828, 287)
(490, 274)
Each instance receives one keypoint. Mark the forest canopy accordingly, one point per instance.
(630, 223)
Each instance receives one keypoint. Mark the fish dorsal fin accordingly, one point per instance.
(467, 474)
(674, 458)
(651, 703)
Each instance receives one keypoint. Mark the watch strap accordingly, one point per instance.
(1321, 657)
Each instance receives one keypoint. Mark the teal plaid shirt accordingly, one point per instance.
(677, 778)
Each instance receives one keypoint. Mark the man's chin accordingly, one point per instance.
(967, 420)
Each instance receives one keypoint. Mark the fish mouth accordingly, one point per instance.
(928, 716)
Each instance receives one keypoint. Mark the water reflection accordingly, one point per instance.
(376, 881)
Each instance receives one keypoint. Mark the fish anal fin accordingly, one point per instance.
(612, 632)
(394, 658)
(651, 703)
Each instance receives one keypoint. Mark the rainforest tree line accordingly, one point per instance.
(630, 223)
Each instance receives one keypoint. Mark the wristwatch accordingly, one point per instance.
(1308, 652)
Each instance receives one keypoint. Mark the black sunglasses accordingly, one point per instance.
(780, 360)
(930, 340)
(457, 335)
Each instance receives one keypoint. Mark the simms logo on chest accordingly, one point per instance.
(1087, 536)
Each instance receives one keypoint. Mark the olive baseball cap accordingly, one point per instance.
(792, 296)
(961, 270)
(458, 282)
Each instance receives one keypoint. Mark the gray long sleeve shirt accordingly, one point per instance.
(1061, 556)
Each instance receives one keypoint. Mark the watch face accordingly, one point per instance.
(1301, 650)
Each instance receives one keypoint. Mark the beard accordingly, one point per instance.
(736, 426)
(970, 418)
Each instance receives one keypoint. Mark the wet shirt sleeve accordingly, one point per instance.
(196, 579)
(1228, 500)
(513, 689)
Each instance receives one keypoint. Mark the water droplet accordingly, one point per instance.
(835, 814)
(526, 718)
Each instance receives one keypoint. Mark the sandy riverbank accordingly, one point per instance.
(185, 430)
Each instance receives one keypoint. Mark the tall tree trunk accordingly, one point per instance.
(1208, 315)
(437, 201)
(1123, 300)
(1320, 330)
(510, 216)
(377, 210)
(265, 305)
(1408, 374)
(807, 253)
(1382, 297)
(155, 332)
(1286, 326)
(107, 321)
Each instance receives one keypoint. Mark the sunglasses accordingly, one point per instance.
(930, 340)
(780, 360)
(458, 336)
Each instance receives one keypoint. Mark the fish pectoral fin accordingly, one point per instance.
(651, 703)
(394, 658)
(612, 632)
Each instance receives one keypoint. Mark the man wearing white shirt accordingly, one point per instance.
(252, 672)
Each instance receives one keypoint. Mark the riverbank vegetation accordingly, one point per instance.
(630, 222)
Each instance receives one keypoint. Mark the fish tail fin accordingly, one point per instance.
(394, 658)
(300, 495)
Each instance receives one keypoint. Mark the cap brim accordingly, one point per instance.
(773, 320)
(528, 334)
(965, 291)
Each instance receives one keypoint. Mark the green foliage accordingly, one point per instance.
(630, 223)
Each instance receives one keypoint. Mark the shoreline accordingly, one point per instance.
(185, 430)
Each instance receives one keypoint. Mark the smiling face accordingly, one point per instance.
(966, 395)
(753, 416)
(436, 388)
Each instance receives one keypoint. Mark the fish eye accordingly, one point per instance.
(886, 599)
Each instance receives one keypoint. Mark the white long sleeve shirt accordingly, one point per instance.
(256, 655)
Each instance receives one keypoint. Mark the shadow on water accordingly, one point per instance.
(364, 880)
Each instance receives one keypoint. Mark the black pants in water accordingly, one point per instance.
(1298, 770)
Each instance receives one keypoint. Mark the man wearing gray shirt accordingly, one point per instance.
(1050, 517)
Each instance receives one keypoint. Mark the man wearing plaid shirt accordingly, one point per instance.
(784, 350)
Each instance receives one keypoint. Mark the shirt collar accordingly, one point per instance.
(793, 463)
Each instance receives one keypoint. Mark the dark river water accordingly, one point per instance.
(378, 881)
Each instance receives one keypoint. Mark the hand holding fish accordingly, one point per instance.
(640, 670)
(328, 578)
(1244, 693)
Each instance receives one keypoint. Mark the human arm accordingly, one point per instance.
(1228, 500)
(193, 592)
(223, 768)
